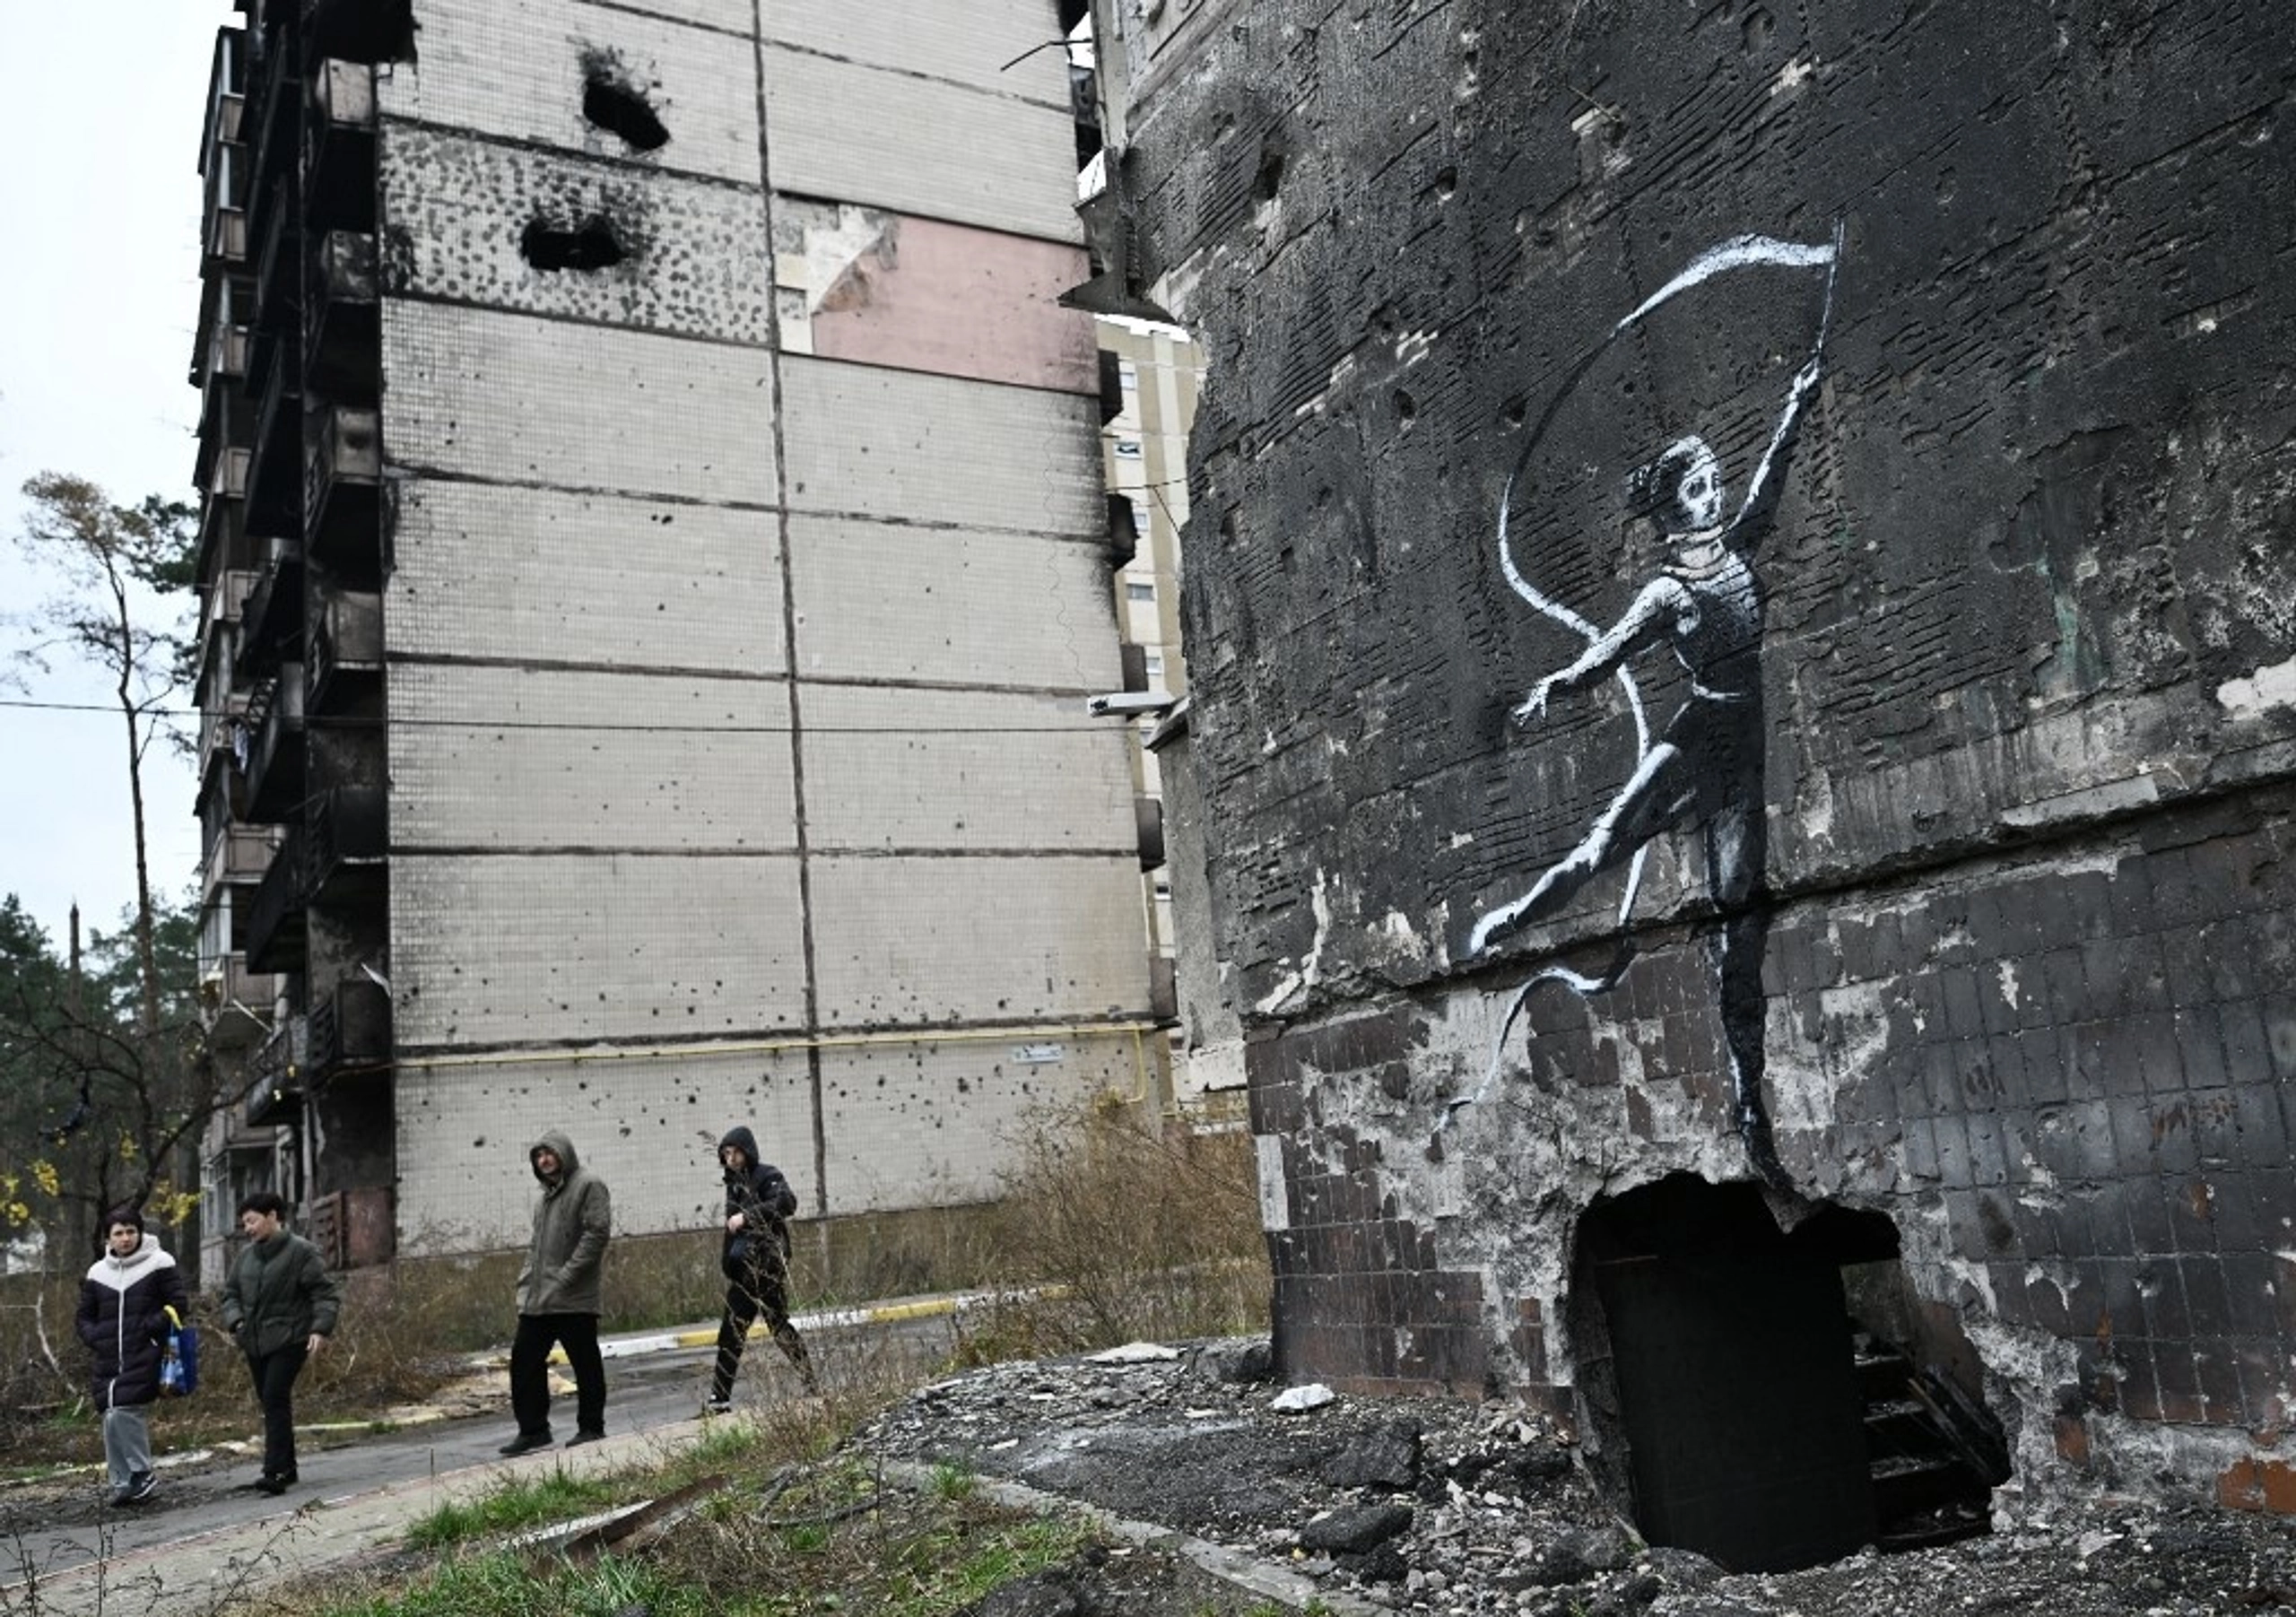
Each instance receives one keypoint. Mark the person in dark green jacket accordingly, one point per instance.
(280, 1305)
(560, 1297)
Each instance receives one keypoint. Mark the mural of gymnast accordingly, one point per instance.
(1704, 772)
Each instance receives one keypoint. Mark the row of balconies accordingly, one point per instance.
(339, 856)
(348, 1030)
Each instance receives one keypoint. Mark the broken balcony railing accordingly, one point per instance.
(275, 1075)
(275, 754)
(271, 624)
(351, 1028)
(346, 651)
(342, 335)
(348, 845)
(276, 920)
(339, 147)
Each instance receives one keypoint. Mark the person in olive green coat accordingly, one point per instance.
(280, 1305)
(560, 1297)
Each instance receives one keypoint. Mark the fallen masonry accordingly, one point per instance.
(1438, 1506)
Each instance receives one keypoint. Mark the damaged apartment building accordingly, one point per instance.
(1742, 702)
(655, 556)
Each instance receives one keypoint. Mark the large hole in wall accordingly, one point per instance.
(613, 104)
(1773, 1400)
(589, 244)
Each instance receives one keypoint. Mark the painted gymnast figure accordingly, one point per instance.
(1705, 771)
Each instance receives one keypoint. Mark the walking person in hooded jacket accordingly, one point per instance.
(560, 1297)
(280, 1305)
(755, 1259)
(123, 1320)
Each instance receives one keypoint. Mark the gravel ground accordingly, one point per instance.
(1444, 1507)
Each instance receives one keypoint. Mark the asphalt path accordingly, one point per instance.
(65, 1536)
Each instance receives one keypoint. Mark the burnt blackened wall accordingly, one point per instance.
(1961, 882)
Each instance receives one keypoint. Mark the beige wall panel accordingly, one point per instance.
(964, 770)
(968, 42)
(871, 442)
(457, 209)
(898, 603)
(853, 134)
(649, 1126)
(506, 949)
(934, 1123)
(511, 398)
(516, 68)
(963, 940)
(539, 574)
(512, 758)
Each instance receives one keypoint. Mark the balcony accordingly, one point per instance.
(343, 328)
(343, 494)
(350, 1030)
(276, 1077)
(339, 147)
(226, 79)
(238, 857)
(274, 758)
(276, 928)
(236, 1005)
(349, 846)
(225, 421)
(275, 503)
(223, 512)
(224, 242)
(223, 795)
(276, 321)
(274, 88)
(219, 624)
(271, 623)
(346, 651)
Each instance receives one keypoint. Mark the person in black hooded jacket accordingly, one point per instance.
(123, 1321)
(755, 1259)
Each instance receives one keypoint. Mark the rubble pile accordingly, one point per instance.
(1443, 1507)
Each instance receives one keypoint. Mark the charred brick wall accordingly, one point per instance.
(1738, 606)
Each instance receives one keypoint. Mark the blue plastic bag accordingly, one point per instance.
(179, 1358)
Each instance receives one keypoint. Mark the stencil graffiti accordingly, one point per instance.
(1704, 603)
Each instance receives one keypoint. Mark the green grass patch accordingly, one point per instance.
(506, 1585)
(554, 1496)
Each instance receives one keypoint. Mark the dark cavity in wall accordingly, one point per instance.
(1735, 1403)
(611, 101)
(591, 244)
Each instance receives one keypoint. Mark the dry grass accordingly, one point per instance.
(1112, 1230)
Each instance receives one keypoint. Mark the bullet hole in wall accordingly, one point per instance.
(612, 105)
(589, 244)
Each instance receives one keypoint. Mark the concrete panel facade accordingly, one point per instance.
(650, 1125)
(496, 758)
(1737, 623)
(534, 575)
(512, 398)
(941, 605)
(848, 130)
(515, 69)
(695, 259)
(942, 1120)
(974, 45)
(904, 940)
(501, 949)
(912, 770)
(868, 442)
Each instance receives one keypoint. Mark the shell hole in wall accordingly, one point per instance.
(1773, 1400)
(591, 244)
(614, 106)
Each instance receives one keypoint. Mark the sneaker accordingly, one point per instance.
(714, 1405)
(588, 1434)
(525, 1442)
(140, 1487)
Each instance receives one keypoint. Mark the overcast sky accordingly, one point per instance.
(99, 292)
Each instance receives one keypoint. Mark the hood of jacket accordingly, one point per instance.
(120, 1272)
(740, 1135)
(569, 1164)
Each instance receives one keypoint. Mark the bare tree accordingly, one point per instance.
(126, 571)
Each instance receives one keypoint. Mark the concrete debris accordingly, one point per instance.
(1293, 1400)
(1502, 1521)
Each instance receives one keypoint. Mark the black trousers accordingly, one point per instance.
(758, 1291)
(274, 1375)
(577, 1334)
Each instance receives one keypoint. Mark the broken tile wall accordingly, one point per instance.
(1996, 294)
